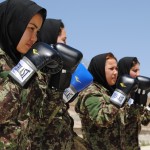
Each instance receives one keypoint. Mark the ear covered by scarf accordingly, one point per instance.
(124, 65)
(50, 31)
(97, 69)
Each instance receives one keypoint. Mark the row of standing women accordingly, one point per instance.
(104, 125)
(36, 117)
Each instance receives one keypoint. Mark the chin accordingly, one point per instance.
(24, 51)
(113, 83)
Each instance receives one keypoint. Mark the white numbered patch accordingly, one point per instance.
(68, 94)
(130, 101)
(118, 98)
(22, 71)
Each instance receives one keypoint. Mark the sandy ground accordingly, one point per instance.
(145, 148)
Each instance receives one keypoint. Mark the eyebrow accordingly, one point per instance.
(34, 25)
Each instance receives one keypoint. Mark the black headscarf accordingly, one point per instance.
(50, 31)
(14, 18)
(97, 69)
(125, 64)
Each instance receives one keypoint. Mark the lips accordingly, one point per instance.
(114, 79)
(29, 45)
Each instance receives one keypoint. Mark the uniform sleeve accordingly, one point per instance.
(9, 100)
(145, 118)
(101, 110)
(139, 113)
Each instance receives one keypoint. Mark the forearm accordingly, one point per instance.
(9, 101)
(145, 118)
(107, 115)
(101, 111)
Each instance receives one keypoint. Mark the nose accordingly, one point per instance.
(115, 71)
(34, 37)
(138, 73)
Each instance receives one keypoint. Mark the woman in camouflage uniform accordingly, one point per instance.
(103, 123)
(20, 22)
(55, 128)
(137, 114)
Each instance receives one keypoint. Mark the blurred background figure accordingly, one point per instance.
(137, 113)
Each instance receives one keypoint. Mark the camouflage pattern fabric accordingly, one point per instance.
(106, 127)
(11, 106)
(80, 144)
(17, 105)
(133, 127)
(50, 134)
(51, 128)
(33, 118)
(136, 115)
(145, 118)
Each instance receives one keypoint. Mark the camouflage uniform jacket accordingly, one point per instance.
(51, 126)
(16, 106)
(145, 118)
(136, 115)
(32, 118)
(103, 124)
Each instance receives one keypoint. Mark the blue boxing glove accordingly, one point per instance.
(81, 78)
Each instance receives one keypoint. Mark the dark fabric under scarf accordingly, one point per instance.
(50, 31)
(124, 65)
(14, 18)
(97, 69)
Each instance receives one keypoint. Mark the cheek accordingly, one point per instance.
(20, 45)
(23, 39)
(59, 40)
(132, 74)
(108, 78)
(138, 73)
(26, 36)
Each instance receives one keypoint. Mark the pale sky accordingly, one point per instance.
(99, 26)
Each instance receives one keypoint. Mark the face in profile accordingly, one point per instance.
(29, 36)
(135, 70)
(62, 36)
(111, 71)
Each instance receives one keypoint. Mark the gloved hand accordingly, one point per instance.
(124, 86)
(141, 94)
(40, 55)
(81, 78)
(71, 58)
